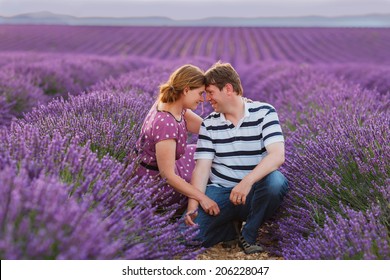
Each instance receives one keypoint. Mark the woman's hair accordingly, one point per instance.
(221, 74)
(186, 76)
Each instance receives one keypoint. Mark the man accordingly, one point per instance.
(243, 146)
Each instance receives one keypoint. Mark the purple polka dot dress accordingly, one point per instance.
(159, 126)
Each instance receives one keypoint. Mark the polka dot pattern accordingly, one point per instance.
(159, 126)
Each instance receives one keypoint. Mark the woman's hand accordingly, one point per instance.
(190, 216)
(247, 100)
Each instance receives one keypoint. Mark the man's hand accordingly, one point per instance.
(209, 206)
(240, 192)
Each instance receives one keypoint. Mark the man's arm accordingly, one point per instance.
(199, 180)
(271, 162)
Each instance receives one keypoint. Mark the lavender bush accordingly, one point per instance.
(369, 76)
(60, 75)
(40, 221)
(349, 235)
(124, 203)
(326, 170)
(337, 159)
(111, 122)
(19, 93)
(27, 81)
(5, 111)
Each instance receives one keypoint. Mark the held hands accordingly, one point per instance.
(207, 204)
(240, 192)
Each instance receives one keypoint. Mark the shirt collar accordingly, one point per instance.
(246, 113)
(246, 104)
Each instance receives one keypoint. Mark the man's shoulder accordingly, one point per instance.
(259, 107)
(212, 117)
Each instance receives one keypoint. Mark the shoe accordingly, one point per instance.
(249, 248)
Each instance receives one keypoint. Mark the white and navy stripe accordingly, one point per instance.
(236, 150)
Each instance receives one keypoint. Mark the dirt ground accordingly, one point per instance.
(219, 253)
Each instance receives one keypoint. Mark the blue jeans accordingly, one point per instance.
(262, 201)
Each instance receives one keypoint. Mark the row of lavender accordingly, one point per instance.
(237, 45)
(28, 80)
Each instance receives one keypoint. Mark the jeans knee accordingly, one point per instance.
(276, 184)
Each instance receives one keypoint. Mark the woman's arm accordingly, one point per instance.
(165, 155)
(193, 121)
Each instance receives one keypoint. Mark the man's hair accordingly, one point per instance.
(221, 74)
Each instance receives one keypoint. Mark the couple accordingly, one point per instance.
(232, 172)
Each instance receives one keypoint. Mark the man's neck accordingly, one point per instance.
(236, 111)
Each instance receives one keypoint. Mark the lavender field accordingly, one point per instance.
(72, 100)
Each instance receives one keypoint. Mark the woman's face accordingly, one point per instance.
(193, 97)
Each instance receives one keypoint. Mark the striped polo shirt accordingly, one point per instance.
(237, 150)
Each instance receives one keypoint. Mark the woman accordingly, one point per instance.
(162, 148)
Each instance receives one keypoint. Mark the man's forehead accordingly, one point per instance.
(211, 87)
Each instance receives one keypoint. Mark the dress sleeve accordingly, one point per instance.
(164, 128)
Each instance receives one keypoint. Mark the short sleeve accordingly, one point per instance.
(271, 129)
(165, 127)
(204, 147)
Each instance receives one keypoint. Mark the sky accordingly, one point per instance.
(196, 9)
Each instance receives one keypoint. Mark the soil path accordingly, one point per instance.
(219, 253)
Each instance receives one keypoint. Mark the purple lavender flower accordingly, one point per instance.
(109, 121)
(20, 94)
(40, 221)
(106, 185)
(350, 235)
(5, 111)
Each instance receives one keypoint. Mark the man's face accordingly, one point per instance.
(215, 97)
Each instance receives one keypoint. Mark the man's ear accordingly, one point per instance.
(229, 88)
